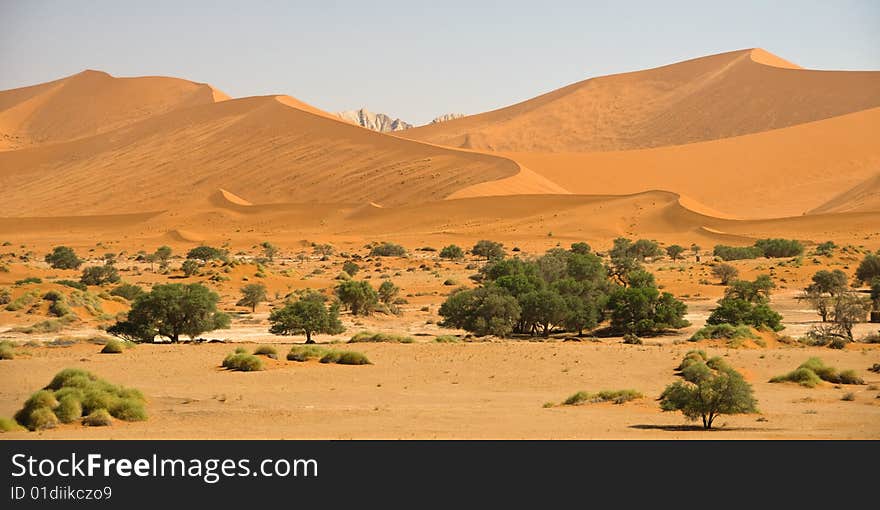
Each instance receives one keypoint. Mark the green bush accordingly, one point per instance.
(206, 253)
(128, 291)
(73, 284)
(850, 377)
(113, 346)
(725, 331)
(728, 253)
(305, 352)
(616, 396)
(367, 336)
(447, 339)
(452, 252)
(98, 418)
(63, 257)
(99, 275)
(802, 376)
(242, 362)
(813, 371)
(7, 350)
(266, 350)
(5, 296)
(632, 339)
(46, 326)
(9, 425)
(69, 409)
(388, 250)
(776, 248)
(345, 358)
(28, 280)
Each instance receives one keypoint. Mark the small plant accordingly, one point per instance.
(616, 396)
(113, 346)
(388, 250)
(813, 371)
(632, 339)
(447, 339)
(98, 418)
(9, 425)
(367, 336)
(345, 358)
(7, 350)
(848, 397)
(266, 350)
(242, 362)
(306, 352)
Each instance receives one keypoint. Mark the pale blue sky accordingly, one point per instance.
(415, 59)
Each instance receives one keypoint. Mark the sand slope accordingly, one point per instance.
(784, 172)
(707, 98)
(262, 149)
(89, 103)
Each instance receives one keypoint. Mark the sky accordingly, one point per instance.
(416, 59)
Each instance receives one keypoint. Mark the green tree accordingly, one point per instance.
(580, 248)
(451, 252)
(170, 311)
(757, 291)
(725, 273)
(711, 393)
(270, 251)
(849, 309)
(869, 268)
(829, 282)
(163, 255)
(99, 275)
(543, 309)
(489, 249)
(483, 311)
(206, 253)
(308, 315)
(740, 312)
(358, 296)
(63, 257)
(645, 311)
(252, 294)
(388, 292)
(189, 267)
(674, 251)
(826, 249)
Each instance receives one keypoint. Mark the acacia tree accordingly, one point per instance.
(252, 294)
(869, 268)
(170, 311)
(358, 296)
(674, 251)
(308, 315)
(708, 393)
(63, 257)
(849, 309)
(725, 273)
(163, 255)
(269, 250)
(489, 249)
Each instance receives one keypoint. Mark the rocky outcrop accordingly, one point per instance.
(447, 116)
(375, 121)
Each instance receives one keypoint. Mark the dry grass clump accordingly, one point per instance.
(813, 371)
(616, 396)
(306, 352)
(266, 350)
(241, 361)
(113, 346)
(369, 336)
(7, 350)
(73, 393)
(345, 358)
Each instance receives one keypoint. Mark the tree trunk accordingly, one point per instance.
(174, 338)
(309, 337)
(253, 308)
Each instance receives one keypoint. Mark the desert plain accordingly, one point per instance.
(719, 150)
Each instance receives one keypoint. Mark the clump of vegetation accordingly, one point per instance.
(452, 252)
(388, 250)
(127, 291)
(747, 303)
(73, 284)
(488, 249)
(207, 254)
(63, 257)
(5, 296)
(350, 268)
(46, 326)
(9, 425)
(725, 273)
(241, 361)
(266, 350)
(308, 315)
(7, 350)
(345, 358)
(726, 332)
(368, 336)
(447, 339)
(98, 418)
(75, 392)
(632, 339)
(57, 303)
(813, 371)
(189, 267)
(171, 311)
(252, 294)
(306, 352)
(358, 296)
(99, 275)
(113, 346)
(710, 388)
(28, 280)
(616, 396)
(770, 248)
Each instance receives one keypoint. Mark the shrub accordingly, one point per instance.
(580, 248)
(99, 275)
(869, 268)
(848, 397)
(447, 339)
(73, 284)
(489, 249)
(305, 352)
(6, 350)
(29, 279)
(451, 252)
(46, 326)
(740, 312)
(645, 311)
(307, 315)
(850, 377)
(5, 296)
(252, 294)
(388, 250)
(113, 346)
(69, 409)
(632, 339)
(9, 425)
(98, 418)
(266, 350)
(483, 311)
(358, 296)
(674, 251)
(802, 376)
(345, 358)
(616, 396)
(127, 291)
(692, 357)
(350, 268)
(775, 248)
(813, 370)
(725, 331)
(63, 257)
(367, 336)
(189, 267)
(736, 252)
(242, 362)
(206, 253)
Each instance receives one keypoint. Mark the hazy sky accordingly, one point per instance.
(410, 60)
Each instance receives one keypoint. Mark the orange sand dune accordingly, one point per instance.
(707, 98)
(262, 149)
(784, 172)
(89, 103)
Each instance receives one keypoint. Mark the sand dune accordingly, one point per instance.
(784, 172)
(707, 98)
(89, 103)
(263, 150)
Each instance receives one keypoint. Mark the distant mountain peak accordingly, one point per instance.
(447, 117)
(375, 121)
